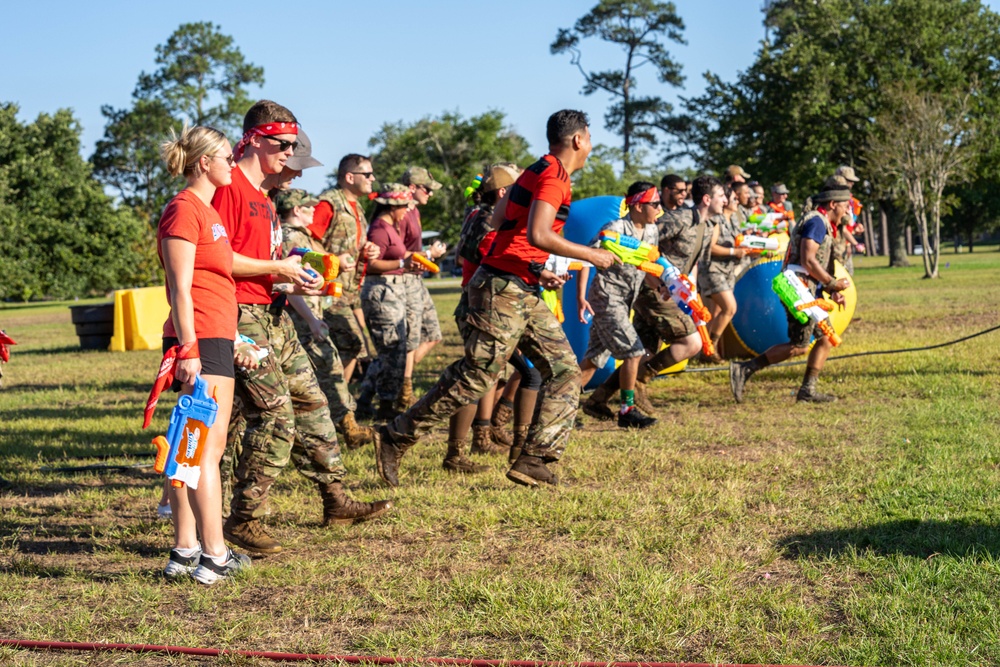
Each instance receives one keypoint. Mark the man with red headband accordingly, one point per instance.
(287, 415)
(506, 310)
(612, 296)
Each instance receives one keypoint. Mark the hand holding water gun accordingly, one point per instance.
(768, 223)
(757, 245)
(563, 265)
(803, 305)
(628, 249)
(325, 265)
(425, 264)
(178, 455)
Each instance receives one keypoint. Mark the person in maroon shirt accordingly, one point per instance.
(506, 310)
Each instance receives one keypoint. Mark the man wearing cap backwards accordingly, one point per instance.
(286, 412)
(295, 209)
(506, 309)
(423, 328)
(810, 255)
(339, 222)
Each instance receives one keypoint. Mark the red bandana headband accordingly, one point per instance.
(264, 130)
(402, 196)
(641, 197)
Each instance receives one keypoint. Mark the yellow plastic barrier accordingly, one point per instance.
(139, 317)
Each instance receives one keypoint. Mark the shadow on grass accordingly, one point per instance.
(75, 412)
(51, 350)
(120, 385)
(138, 477)
(65, 443)
(908, 537)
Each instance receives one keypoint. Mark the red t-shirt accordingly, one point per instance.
(322, 215)
(546, 181)
(413, 231)
(469, 267)
(254, 231)
(213, 290)
(389, 242)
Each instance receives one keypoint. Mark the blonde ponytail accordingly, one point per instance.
(182, 153)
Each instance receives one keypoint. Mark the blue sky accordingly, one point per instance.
(344, 68)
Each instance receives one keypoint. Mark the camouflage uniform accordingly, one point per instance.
(421, 315)
(286, 414)
(657, 320)
(383, 299)
(346, 234)
(718, 274)
(322, 352)
(801, 334)
(612, 294)
(504, 316)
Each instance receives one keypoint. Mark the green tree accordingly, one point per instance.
(202, 79)
(599, 176)
(60, 235)
(639, 28)
(454, 149)
(807, 103)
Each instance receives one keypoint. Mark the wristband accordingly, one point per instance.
(402, 263)
(189, 351)
(731, 252)
(831, 286)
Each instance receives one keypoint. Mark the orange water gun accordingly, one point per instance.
(427, 264)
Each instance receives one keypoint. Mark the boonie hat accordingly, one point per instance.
(419, 176)
(825, 196)
(499, 176)
(847, 172)
(394, 194)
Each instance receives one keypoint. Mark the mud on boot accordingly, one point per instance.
(531, 471)
(339, 509)
(352, 434)
(502, 415)
(482, 441)
(456, 461)
(739, 373)
(812, 396)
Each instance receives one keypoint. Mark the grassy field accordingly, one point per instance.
(864, 533)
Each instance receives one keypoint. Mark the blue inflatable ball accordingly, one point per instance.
(586, 217)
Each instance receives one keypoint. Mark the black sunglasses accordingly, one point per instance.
(366, 174)
(284, 145)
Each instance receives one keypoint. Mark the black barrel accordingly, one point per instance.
(95, 325)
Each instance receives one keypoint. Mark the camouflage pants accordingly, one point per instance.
(285, 412)
(329, 371)
(504, 317)
(421, 315)
(657, 320)
(383, 299)
(345, 331)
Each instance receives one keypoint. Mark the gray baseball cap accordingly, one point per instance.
(302, 157)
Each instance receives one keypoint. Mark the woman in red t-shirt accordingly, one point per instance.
(198, 261)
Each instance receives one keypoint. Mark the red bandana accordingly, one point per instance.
(165, 376)
(5, 340)
(641, 197)
(264, 130)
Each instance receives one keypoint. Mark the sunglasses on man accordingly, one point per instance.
(284, 145)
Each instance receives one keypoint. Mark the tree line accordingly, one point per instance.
(832, 83)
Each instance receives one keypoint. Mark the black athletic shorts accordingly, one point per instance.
(216, 357)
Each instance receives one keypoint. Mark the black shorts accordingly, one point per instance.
(216, 357)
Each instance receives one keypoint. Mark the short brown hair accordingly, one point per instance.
(266, 111)
(349, 163)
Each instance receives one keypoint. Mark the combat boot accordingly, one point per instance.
(739, 373)
(596, 405)
(339, 509)
(502, 414)
(406, 397)
(482, 441)
(646, 373)
(387, 456)
(455, 459)
(530, 471)
(387, 410)
(365, 409)
(250, 535)
(352, 434)
(520, 437)
(808, 394)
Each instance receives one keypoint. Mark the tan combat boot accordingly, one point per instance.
(641, 386)
(482, 441)
(502, 414)
(520, 437)
(352, 434)
(456, 460)
(339, 509)
(250, 535)
(406, 397)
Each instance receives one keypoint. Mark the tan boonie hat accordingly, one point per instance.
(286, 200)
(499, 176)
(847, 173)
(735, 170)
(394, 194)
(837, 182)
(825, 196)
(302, 157)
(419, 176)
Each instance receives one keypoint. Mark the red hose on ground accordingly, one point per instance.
(353, 659)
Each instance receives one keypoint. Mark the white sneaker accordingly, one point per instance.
(179, 566)
(209, 572)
